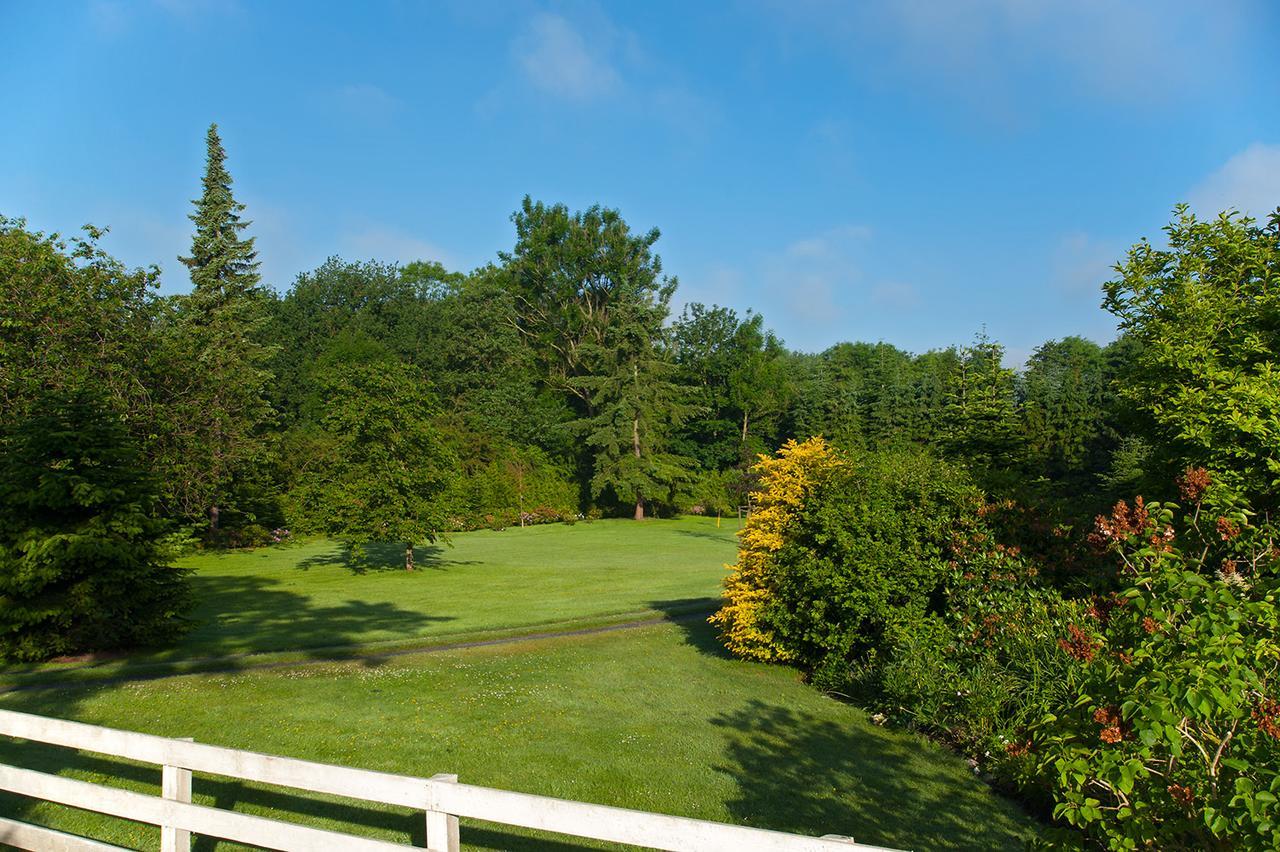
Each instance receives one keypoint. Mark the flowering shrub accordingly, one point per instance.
(1173, 740)
(984, 668)
(786, 480)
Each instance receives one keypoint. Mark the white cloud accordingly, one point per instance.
(998, 56)
(555, 58)
(1080, 264)
(392, 244)
(366, 101)
(897, 295)
(1248, 182)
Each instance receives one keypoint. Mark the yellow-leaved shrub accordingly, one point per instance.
(786, 479)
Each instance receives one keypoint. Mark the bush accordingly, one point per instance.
(983, 670)
(1174, 738)
(82, 563)
(786, 481)
(870, 546)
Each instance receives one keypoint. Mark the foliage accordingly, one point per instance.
(734, 370)
(1174, 738)
(216, 454)
(1065, 405)
(635, 403)
(985, 666)
(871, 545)
(980, 422)
(378, 466)
(82, 563)
(1203, 313)
(786, 480)
(73, 316)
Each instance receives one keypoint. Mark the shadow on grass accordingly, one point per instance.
(250, 615)
(690, 615)
(797, 772)
(380, 557)
(726, 533)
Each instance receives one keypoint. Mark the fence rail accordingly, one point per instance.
(441, 798)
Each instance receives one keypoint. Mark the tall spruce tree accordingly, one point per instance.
(217, 458)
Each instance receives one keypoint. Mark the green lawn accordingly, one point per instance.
(305, 600)
(653, 718)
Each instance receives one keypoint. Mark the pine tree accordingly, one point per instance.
(82, 564)
(980, 418)
(223, 265)
(217, 456)
(637, 404)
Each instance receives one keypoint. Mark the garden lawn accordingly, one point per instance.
(307, 600)
(655, 718)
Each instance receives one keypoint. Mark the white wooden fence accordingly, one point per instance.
(441, 797)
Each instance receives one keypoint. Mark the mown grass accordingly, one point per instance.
(655, 718)
(308, 600)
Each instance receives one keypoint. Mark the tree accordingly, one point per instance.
(591, 299)
(82, 565)
(568, 273)
(734, 371)
(981, 421)
(636, 406)
(1205, 367)
(1065, 405)
(217, 456)
(380, 466)
(73, 316)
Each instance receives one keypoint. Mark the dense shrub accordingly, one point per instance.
(502, 486)
(1174, 738)
(82, 563)
(786, 481)
(870, 546)
(986, 667)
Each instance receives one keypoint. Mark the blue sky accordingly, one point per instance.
(899, 171)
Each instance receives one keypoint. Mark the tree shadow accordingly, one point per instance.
(690, 615)
(795, 772)
(380, 557)
(722, 535)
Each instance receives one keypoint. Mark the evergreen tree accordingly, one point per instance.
(636, 404)
(223, 264)
(217, 457)
(82, 566)
(980, 418)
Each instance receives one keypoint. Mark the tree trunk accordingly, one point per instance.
(408, 556)
(744, 427)
(635, 445)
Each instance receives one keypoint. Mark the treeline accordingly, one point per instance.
(377, 401)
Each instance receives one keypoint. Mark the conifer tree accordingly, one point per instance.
(217, 458)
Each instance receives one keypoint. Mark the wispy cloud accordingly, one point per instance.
(1000, 56)
(366, 101)
(386, 243)
(896, 295)
(1081, 263)
(555, 58)
(1248, 182)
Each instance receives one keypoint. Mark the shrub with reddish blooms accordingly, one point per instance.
(1174, 737)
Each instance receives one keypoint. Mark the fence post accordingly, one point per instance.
(442, 827)
(175, 784)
